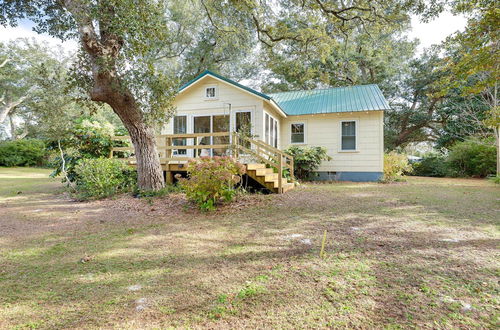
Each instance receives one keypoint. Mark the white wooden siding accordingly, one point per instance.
(324, 130)
(192, 102)
(321, 130)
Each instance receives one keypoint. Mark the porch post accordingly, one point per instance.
(280, 174)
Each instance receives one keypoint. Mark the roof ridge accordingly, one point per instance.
(230, 81)
(322, 89)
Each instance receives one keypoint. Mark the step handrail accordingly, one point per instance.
(266, 153)
(284, 160)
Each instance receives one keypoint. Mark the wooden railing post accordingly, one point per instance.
(280, 174)
(292, 173)
(168, 151)
(168, 154)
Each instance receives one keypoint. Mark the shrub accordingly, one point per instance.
(168, 189)
(307, 160)
(472, 157)
(211, 180)
(89, 138)
(26, 152)
(433, 165)
(103, 177)
(495, 179)
(395, 165)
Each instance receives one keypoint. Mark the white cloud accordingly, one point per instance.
(22, 31)
(437, 30)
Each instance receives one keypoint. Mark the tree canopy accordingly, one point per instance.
(135, 54)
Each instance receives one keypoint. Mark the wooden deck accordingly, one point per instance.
(265, 164)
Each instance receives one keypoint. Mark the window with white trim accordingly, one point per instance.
(348, 142)
(271, 131)
(211, 92)
(298, 133)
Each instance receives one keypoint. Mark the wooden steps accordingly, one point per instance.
(267, 178)
(260, 157)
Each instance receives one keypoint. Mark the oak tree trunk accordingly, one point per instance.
(103, 47)
(150, 174)
(107, 88)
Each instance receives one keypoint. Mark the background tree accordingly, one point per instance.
(373, 55)
(120, 43)
(23, 61)
(472, 57)
(124, 41)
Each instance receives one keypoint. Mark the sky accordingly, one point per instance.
(428, 33)
(437, 30)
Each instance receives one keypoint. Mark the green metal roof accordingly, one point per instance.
(317, 101)
(208, 72)
(342, 99)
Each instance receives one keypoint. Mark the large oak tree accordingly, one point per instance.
(131, 50)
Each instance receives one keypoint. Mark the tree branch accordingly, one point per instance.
(212, 22)
(7, 60)
(5, 110)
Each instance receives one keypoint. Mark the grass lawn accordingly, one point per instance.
(416, 254)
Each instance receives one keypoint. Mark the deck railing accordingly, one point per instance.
(231, 144)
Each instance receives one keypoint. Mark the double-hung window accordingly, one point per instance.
(298, 133)
(348, 142)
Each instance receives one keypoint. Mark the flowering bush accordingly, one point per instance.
(395, 165)
(211, 180)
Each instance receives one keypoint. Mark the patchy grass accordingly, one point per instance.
(417, 254)
(20, 180)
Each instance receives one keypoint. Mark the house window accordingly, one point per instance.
(180, 127)
(298, 133)
(348, 135)
(271, 126)
(211, 92)
(244, 126)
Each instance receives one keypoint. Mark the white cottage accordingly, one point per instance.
(347, 121)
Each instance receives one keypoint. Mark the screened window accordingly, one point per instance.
(348, 135)
(210, 92)
(180, 127)
(268, 133)
(271, 138)
(271, 131)
(244, 122)
(275, 144)
(298, 133)
(244, 125)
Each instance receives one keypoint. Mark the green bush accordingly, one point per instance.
(307, 160)
(211, 180)
(495, 179)
(25, 152)
(89, 138)
(168, 189)
(472, 157)
(433, 165)
(395, 165)
(103, 177)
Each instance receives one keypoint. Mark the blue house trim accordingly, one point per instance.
(349, 176)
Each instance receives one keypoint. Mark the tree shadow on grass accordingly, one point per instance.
(184, 262)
